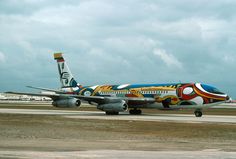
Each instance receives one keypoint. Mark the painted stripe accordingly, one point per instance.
(60, 60)
(208, 95)
(198, 85)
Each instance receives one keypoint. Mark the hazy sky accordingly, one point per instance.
(118, 41)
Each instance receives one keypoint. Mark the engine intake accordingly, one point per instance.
(67, 103)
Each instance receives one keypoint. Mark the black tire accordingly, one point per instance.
(131, 111)
(112, 113)
(135, 111)
(198, 113)
(139, 112)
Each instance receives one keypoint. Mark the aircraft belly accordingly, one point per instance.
(199, 106)
(160, 106)
(151, 106)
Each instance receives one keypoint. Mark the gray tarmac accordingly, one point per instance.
(117, 154)
(125, 154)
(181, 118)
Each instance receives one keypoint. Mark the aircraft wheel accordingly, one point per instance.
(112, 113)
(135, 111)
(139, 111)
(198, 113)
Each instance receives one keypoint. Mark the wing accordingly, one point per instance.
(95, 99)
(52, 95)
(104, 100)
(46, 89)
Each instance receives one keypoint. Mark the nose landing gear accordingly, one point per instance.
(198, 113)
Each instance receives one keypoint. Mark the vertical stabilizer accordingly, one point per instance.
(66, 77)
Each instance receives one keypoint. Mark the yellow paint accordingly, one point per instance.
(160, 99)
(136, 92)
(57, 55)
(82, 91)
(103, 89)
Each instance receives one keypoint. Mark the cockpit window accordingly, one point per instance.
(211, 89)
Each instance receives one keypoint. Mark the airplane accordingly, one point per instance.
(113, 99)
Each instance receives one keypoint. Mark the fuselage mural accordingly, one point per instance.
(168, 95)
(136, 96)
(119, 98)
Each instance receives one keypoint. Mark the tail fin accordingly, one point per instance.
(66, 77)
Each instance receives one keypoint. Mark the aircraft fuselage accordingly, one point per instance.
(176, 95)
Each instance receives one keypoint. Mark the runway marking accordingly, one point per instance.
(183, 118)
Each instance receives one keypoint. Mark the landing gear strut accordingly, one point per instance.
(135, 111)
(198, 113)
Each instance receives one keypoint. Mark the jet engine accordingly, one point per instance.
(67, 103)
(120, 106)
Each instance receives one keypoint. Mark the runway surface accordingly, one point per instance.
(105, 154)
(183, 118)
(208, 152)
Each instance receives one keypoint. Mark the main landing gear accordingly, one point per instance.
(135, 111)
(112, 113)
(198, 113)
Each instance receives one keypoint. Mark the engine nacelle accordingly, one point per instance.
(120, 106)
(67, 103)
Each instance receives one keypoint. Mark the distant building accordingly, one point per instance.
(5, 96)
(2, 97)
